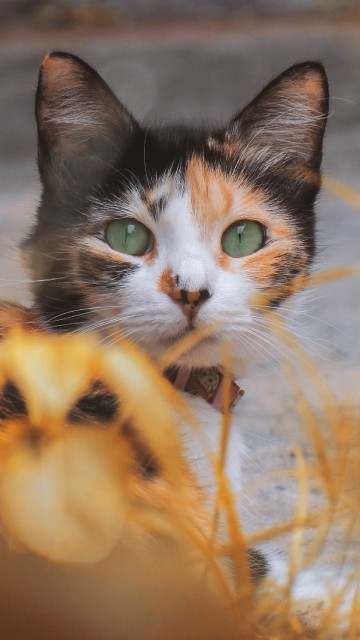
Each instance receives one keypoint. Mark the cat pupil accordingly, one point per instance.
(240, 231)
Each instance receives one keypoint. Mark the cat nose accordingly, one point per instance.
(190, 301)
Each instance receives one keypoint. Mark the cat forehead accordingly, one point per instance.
(208, 193)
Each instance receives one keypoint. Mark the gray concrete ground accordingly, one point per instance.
(206, 71)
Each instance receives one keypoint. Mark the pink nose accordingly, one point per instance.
(190, 301)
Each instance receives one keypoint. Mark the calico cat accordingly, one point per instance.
(156, 232)
(153, 233)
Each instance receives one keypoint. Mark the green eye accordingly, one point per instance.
(127, 235)
(243, 238)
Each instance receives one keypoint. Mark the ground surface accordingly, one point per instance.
(206, 71)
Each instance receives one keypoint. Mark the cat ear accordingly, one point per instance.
(83, 129)
(286, 121)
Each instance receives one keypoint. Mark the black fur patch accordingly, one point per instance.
(100, 272)
(12, 403)
(148, 465)
(62, 310)
(259, 566)
(98, 405)
(157, 206)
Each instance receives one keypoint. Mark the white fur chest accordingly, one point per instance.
(202, 446)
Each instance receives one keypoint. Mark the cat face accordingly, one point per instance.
(154, 233)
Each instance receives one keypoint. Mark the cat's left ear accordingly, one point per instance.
(285, 123)
(82, 128)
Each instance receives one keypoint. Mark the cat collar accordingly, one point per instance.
(207, 383)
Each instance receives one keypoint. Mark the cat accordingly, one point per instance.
(152, 233)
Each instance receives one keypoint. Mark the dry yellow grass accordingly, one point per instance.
(73, 495)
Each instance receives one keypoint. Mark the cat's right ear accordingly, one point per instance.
(284, 125)
(82, 127)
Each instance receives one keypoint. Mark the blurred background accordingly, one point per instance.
(113, 11)
(195, 61)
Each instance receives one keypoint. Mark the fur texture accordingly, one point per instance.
(187, 187)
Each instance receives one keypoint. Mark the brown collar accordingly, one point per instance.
(208, 383)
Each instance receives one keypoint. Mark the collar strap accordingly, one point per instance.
(207, 383)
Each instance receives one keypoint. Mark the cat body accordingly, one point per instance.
(152, 234)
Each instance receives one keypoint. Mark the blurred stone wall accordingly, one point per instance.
(98, 11)
(218, 8)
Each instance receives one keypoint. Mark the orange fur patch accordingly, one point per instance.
(266, 268)
(313, 87)
(217, 199)
(115, 255)
(192, 296)
(166, 285)
(231, 146)
(214, 196)
(103, 253)
(166, 281)
(13, 315)
(211, 192)
(55, 69)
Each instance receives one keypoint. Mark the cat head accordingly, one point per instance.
(152, 233)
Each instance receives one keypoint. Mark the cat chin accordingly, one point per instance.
(209, 352)
(197, 358)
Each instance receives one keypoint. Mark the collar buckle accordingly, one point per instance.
(207, 383)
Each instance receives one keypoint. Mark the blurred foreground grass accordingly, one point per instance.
(74, 505)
